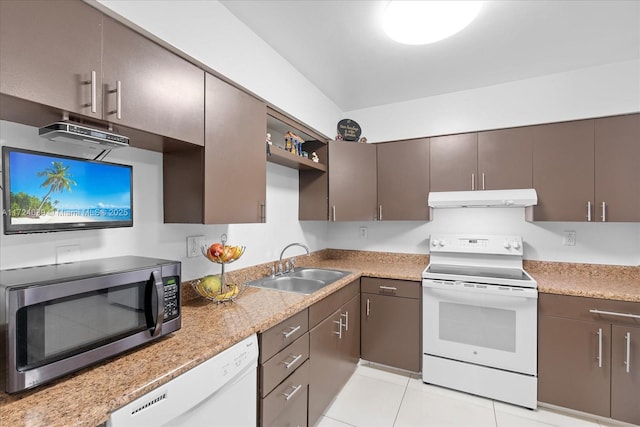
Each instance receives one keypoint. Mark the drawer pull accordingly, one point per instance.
(613, 313)
(388, 288)
(293, 362)
(292, 330)
(599, 347)
(346, 320)
(296, 389)
(627, 338)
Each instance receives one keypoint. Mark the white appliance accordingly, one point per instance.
(219, 392)
(483, 198)
(480, 318)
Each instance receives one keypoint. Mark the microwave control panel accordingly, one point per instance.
(171, 297)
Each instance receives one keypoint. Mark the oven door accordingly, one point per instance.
(487, 325)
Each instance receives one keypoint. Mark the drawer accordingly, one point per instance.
(323, 308)
(572, 307)
(280, 366)
(292, 392)
(391, 287)
(284, 333)
(294, 415)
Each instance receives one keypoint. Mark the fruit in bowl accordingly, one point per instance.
(223, 253)
(210, 285)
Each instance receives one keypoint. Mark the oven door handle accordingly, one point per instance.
(469, 294)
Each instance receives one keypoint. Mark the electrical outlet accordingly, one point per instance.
(569, 238)
(363, 232)
(194, 246)
(67, 253)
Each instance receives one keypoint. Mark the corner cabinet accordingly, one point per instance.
(589, 355)
(403, 180)
(352, 181)
(334, 346)
(390, 322)
(223, 182)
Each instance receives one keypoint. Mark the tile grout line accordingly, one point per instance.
(495, 416)
(404, 393)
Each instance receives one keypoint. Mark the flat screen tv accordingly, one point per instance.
(49, 192)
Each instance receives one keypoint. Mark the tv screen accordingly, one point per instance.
(50, 192)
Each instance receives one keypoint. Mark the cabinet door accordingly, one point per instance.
(505, 159)
(235, 175)
(159, 92)
(352, 181)
(324, 357)
(49, 50)
(625, 374)
(350, 313)
(391, 331)
(617, 174)
(569, 373)
(563, 171)
(454, 161)
(403, 180)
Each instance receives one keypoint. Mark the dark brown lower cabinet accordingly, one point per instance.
(589, 355)
(390, 321)
(334, 351)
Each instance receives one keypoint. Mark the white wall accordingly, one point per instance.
(591, 92)
(149, 236)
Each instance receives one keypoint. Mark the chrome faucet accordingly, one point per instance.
(289, 266)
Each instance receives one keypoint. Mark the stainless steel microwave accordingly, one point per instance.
(59, 318)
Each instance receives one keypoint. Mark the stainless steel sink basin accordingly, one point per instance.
(301, 280)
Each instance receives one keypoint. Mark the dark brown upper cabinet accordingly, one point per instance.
(403, 180)
(617, 169)
(454, 160)
(223, 182)
(505, 159)
(352, 181)
(52, 54)
(146, 87)
(68, 56)
(563, 172)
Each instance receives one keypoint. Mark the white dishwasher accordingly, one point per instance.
(219, 392)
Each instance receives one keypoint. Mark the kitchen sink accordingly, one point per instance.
(301, 280)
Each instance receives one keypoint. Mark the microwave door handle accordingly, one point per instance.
(158, 286)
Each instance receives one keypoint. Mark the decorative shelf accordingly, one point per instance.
(285, 158)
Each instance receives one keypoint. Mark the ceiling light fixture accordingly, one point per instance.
(422, 22)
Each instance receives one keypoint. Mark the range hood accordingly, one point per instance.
(83, 135)
(483, 198)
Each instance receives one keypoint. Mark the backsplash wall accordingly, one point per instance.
(150, 236)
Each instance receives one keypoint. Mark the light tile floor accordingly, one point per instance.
(375, 396)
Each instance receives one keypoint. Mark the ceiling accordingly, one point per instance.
(340, 47)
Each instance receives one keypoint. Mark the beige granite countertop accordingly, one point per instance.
(87, 397)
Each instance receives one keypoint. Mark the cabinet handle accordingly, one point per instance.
(599, 347)
(296, 389)
(388, 288)
(262, 216)
(380, 212)
(473, 181)
(604, 212)
(613, 313)
(94, 96)
(627, 361)
(339, 333)
(118, 99)
(333, 208)
(368, 307)
(589, 211)
(292, 330)
(483, 180)
(346, 320)
(293, 362)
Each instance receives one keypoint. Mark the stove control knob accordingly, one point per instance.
(434, 243)
(507, 245)
(516, 244)
(441, 243)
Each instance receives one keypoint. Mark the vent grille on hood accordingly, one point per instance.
(483, 198)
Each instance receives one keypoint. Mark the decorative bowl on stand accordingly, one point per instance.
(215, 287)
